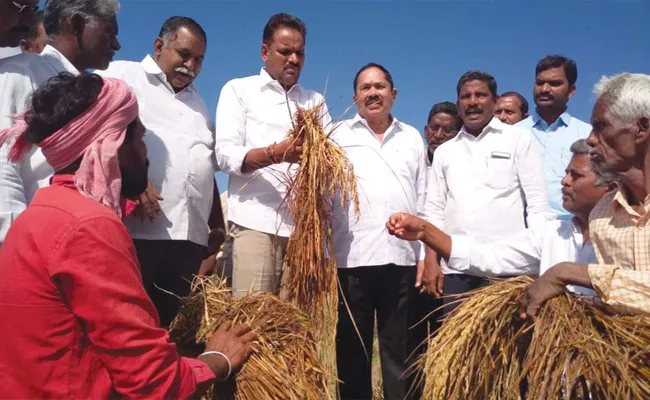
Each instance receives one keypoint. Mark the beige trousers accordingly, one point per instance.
(257, 260)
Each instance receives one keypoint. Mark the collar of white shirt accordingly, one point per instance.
(563, 119)
(150, 67)
(395, 123)
(266, 82)
(58, 60)
(494, 125)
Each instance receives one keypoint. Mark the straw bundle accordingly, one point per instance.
(285, 364)
(324, 172)
(574, 350)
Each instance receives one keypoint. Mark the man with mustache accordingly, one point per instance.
(619, 223)
(377, 272)
(82, 35)
(78, 323)
(254, 115)
(171, 236)
(16, 18)
(479, 184)
(553, 128)
(511, 108)
(583, 186)
(442, 125)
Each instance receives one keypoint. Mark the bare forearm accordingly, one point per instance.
(438, 243)
(571, 274)
(256, 159)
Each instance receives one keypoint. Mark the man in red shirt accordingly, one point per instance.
(77, 322)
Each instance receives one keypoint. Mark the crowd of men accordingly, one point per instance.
(109, 204)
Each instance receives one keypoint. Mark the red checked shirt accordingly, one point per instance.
(75, 319)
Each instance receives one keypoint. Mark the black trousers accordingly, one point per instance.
(458, 284)
(169, 265)
(388, 291)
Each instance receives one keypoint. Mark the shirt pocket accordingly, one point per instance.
(499, 174)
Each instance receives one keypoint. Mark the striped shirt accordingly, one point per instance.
(621, 239)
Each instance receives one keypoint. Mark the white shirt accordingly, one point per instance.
(6, 52)
(478, 185)
(180, 149)
(524, 253)
(252, 112)
(20, 75)
(391, 178)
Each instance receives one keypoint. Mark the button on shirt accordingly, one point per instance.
(252, 112)
(554, 144)
(180, 144)
(19, 77)
(478, 185)
(523, 253)
(391, 178)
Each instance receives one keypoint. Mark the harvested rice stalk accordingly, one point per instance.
(324, 172)
(573, 350)
(286, 364)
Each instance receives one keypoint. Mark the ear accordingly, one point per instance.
(158, 44)
(355, 98)
(393, 94)
(643, 130)
(613, 186)
(77, 25)
(264, 52)
(25, 46)
(572, 91)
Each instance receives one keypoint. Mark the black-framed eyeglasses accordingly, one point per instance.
(22, 7)
(445, 131)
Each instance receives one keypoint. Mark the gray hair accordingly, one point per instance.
(603, 178)
(626, 94)
(58, 11)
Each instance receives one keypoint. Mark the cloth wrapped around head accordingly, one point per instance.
(96, 135)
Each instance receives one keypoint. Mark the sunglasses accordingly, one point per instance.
(23, 7)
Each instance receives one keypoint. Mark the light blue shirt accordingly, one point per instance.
(554, 142)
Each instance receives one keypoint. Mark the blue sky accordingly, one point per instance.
(427, 45)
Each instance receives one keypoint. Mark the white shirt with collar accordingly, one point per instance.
(391, 178)
(252, 112)
(478, 185)
(524, 252)
(180, 149)
(20, 75)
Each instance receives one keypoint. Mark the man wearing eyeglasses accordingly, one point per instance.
(82, 34)
(16, 18)
(443, 124)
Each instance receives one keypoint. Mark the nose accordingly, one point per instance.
(189, 64)
(592, 140)
(501, 115)
(115, 44)
(293, 58)
(546, 87)
(438, 134)
(565, 181)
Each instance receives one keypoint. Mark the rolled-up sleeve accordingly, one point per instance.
(533, 183)
(15, 88)
(96, 268)
(624, 289)
(230, 131)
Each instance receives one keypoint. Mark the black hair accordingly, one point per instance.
(446, 107)
(173, 24)
(478, 75)
(283, 20)
(58, 101)
(523, 103)
(555, 61)
(383, 69)
(32, 33)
